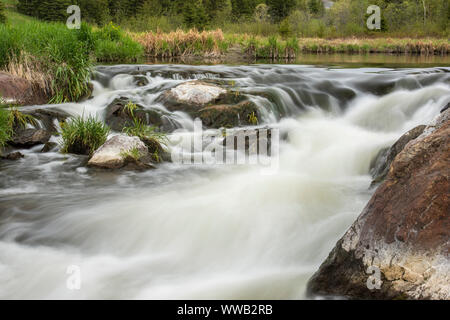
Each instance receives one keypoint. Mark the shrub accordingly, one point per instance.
(83, 135)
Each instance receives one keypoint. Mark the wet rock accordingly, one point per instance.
(192, 96)
(382, 162)
(27, 138)
(118, 117)
(18, 91)
(47, 116)
(49, 146)
(13, 156)
(403, 232)
(229, 116)
(140, 81)
(119, 151)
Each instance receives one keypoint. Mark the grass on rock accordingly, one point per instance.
(83, 135)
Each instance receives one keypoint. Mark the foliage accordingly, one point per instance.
(113, 45)
(144, 132)
(6, 129)
(2, 13)
(83, 135)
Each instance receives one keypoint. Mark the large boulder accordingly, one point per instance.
(215, 106)
(382, 162)
(191, 96)
(18, 91)
(402, 234)
(120, 151)
(27, 138)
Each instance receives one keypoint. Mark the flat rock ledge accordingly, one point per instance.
(116, 153)
(399, 247)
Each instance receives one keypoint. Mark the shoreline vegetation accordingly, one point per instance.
(57, 62)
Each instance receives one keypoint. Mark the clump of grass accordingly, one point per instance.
(144, 132)
(83, 135)
(133, 153)
(6, 128)
(253, 119)
(19, 119)
(130, 107)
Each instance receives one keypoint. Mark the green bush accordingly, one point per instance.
(83, 135)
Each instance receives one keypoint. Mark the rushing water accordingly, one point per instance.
(209, 231)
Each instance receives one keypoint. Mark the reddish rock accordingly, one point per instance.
(404, 231)
(20, 91)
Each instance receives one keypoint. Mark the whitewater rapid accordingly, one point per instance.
(210, 232)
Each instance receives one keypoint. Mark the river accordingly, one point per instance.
(210, 231)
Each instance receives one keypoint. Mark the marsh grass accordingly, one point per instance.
(182, 43)
(83, 135)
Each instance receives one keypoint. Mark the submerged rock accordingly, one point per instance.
(402, 234)
(382, 162)
(27, 138)
(120, 151)
(13, 156)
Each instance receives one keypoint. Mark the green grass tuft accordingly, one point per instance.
(83, 135)
(6, 129)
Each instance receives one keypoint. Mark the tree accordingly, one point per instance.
(241, 8)
(280, 9)
(195, 16)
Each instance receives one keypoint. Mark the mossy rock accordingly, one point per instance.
(118, 117)
(229, 116)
